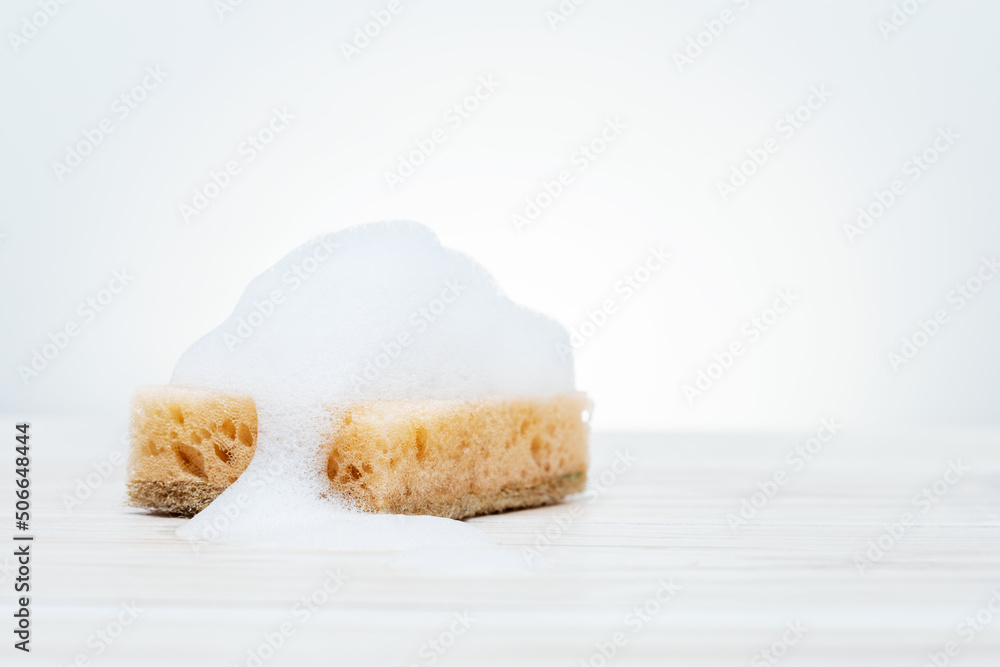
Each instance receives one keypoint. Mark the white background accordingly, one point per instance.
(656, 185)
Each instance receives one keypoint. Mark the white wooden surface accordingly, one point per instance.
(665, 517)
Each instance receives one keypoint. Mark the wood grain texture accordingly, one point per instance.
(662, 518)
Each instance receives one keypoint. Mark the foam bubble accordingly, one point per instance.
(376, 312)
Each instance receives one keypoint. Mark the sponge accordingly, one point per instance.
(452, 458)
(187, 446)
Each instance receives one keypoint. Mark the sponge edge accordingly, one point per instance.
(451, 458)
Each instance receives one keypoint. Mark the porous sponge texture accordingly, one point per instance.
(187, 446)
(453, 458)
(442, 457)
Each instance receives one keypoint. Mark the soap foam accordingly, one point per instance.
(376, 312)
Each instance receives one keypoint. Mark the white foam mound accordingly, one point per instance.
(376, 312)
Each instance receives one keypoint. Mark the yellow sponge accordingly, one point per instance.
(453, 458)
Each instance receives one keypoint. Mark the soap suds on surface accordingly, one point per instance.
(376, 312)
